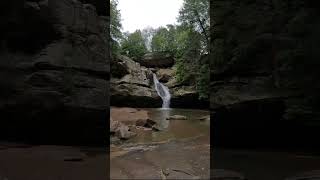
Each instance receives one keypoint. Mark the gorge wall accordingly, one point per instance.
(132, 83)
(54, 71)
(264, 70)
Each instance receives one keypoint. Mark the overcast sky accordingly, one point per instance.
(139, 14)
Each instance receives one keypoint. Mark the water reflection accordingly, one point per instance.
(163, 122)
(174, 129)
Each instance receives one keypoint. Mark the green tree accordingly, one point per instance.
(192, 46)
(188, 56)
(115, 26)
(195, 13)
(133, 45)
(160, 40)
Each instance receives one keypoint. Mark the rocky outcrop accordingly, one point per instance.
(165, 75)
(187, 97)
(132, 85)
(255, 74)
(54, 72)
(132, 88)
(157, 59)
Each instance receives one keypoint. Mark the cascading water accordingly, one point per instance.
(163, 92)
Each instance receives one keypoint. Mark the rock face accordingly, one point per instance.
(256, 80)
(132, 88)
(164, 75)
(157, 59)
(54, 72)
(132, 85)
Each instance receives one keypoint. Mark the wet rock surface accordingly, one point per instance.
(174, 160)
(125, 123)
(169, 150)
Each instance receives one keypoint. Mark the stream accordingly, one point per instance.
(180, 150)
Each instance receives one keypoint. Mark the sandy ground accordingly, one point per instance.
(23, 162)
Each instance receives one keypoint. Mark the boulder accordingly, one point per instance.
(187, 97)
(131, 116)
(120, 130)
(157, 59)
(164, 75)
(124, 133)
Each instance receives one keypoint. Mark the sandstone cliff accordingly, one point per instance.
(264, 68)
(54, 71)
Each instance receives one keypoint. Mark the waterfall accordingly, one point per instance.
(162, 91)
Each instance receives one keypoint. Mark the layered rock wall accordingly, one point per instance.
(54, 72)
(263, 69)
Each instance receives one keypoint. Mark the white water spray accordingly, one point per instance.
(163, 92)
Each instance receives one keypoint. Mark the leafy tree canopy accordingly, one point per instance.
(133, 45)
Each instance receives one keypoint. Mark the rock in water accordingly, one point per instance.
(124, 132)
(145, 122)
(120, 130)
(177, 117)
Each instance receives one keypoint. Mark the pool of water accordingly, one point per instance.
(174, 129)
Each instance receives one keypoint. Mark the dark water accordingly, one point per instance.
(174, 129)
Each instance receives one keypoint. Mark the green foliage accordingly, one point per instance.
(191, 43)
(195, 13)
(160, 40)
(115, 26)
(165, 39)
(133, 45)
(203, 81)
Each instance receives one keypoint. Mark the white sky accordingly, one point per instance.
(139, 14)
